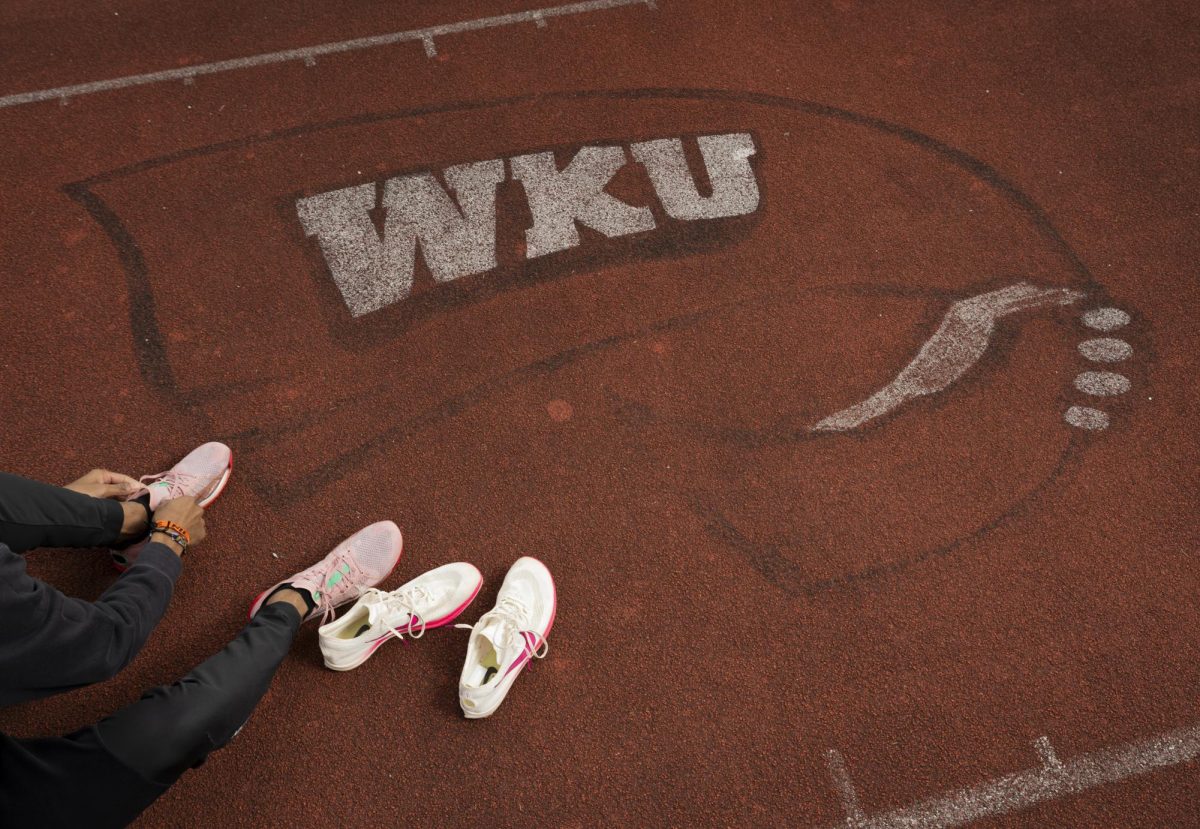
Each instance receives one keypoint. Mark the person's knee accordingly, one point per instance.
(165, 733)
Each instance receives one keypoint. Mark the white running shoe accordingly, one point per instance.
(429, 601)
(507, 637)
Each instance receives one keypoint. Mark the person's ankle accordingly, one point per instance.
(297, 598)
(136, 520)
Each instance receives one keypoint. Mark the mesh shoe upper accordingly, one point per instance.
(202, 474)
(199, 475)
(363, 560)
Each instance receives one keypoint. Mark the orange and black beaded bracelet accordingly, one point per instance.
(174, 532)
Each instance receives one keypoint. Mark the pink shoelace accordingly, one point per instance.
(177, 483)
(352, 579)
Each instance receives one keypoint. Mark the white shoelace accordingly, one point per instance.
(406, 602)
(513, 616)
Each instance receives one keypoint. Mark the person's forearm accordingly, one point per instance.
(50, 642)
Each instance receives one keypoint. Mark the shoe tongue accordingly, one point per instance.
(378, 614)
(159, 491)
(494, 632)
(374, 612)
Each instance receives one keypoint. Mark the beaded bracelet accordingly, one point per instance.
(174, 532)
(163, 526)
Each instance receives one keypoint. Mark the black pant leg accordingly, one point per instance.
(174, 727)
(71, 781)
(33, 514)
(109, 773)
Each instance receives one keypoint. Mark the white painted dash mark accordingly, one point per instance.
(1055, 779)
(1106, 350)
(1085, 417)
(845, 787)
(1105, 319)
(959, 342)
(309, 54)
(1102, 383)
(1046, 754)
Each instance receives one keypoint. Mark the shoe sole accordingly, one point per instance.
(378, 643)
(479, 715)
(212, 496)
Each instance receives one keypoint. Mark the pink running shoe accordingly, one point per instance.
(202, 474)
(361, 561)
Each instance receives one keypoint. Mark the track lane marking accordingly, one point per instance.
(308, 54)
(1021, 790)
(1047, 754)
(845, 787)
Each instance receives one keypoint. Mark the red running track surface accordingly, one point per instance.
(967, 608)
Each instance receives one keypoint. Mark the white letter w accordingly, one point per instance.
(456, 240)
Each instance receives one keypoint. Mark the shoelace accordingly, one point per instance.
(324, 603)
(177, 482)
(513, 615)
(405, 602)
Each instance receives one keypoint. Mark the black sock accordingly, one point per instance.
(144, 500)
(304, 594)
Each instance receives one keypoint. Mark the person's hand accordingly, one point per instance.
(186, 513)
(101, 483)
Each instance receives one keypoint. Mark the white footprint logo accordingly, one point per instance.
(1100, 383)
(964, 336)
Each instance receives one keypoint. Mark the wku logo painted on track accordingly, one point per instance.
(455, 225)
(838, 345)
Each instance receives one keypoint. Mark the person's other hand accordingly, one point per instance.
(186, 513)
(101, 483)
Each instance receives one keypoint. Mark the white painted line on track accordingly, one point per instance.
(1046, 753)
(309, 54)
(845, 787)
(1102, 383)
(1106, 319)
(1105, 350)
(1022, 790)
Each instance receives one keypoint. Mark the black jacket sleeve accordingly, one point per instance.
(51, 643)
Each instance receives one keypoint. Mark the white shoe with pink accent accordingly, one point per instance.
(506, 637)
(360, 562)
(429, 601)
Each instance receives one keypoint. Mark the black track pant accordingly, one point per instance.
(106, 774)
